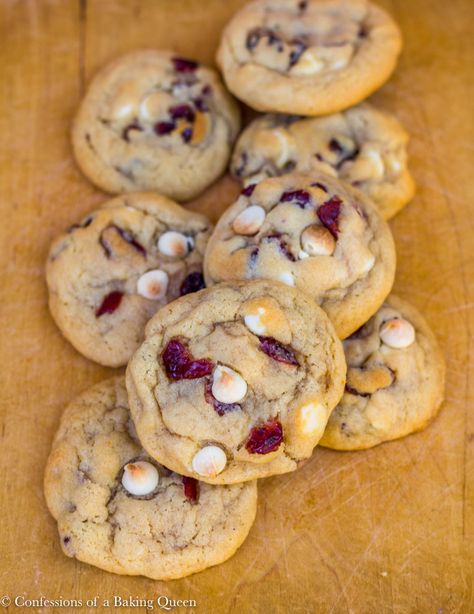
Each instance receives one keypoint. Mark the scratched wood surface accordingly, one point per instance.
(387, 530)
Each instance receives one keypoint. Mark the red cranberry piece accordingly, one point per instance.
(278, 351)
(182, 111)
(180, 364)
(184, 65)
(239, 171)
(248, 191)
(187, 135)
(220, 408)
(300, 197)
(265, 438)
(206, 90)
(329, 212)
(110, 303)
(191, 489)
(126, 131)
(201, 105)
(162, 128)
(319, 185)
(192, 283)
(335, 146)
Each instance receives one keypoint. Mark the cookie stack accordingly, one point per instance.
(250, 343)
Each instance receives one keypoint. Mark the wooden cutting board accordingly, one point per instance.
(387, 530)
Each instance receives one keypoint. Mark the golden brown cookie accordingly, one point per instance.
(120, 510)
(395, 380)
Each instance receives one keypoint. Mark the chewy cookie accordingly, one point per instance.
(312, 232)
(362, 146)
(154, 121)
(395, 380)
(121, 511)
(235, 382)
(111, 272)
(309, 57)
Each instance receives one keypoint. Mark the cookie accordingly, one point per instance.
(308, 57)
(362, 146)
(313, 232)
(235, 382)
(111, 272)
(119, 510)
(151, 120)
(395, 380)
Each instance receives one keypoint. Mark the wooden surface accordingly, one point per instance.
(387, 530)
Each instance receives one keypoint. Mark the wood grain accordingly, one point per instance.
(387, 530)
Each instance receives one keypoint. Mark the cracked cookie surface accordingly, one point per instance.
(151, 120)
(362, 146)
(313, 232)
(395, 380)
(235, 382)
(181, 527)
(308, 57)
(111, 272)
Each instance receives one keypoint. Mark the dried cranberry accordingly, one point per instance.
(206, 90)
(125, 235)
(182, 111)
(239, 171)
(335, 146)
(201, 105)
(184, 65)
(192, 283)
(162, 128)
(265, 437)
(300, 197)
(220, 408)
(191, 489)
(329, 212)
(248, 191)
(110, 303)
(126, 131)
(319, 185)
(187, 135)
(278, 351)
(180, 364)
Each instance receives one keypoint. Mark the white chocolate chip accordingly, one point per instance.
(153, 106)
(153, 284)
(172, 243)
(273, 144)
(249, 221)
(125, 103)
(312, 418)
(309, 63)
(227, 385)
(254, 322)
(287, 278)
(209, 461)
(397, 333)
(140, 478)
(316, 240)
(367, 165)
